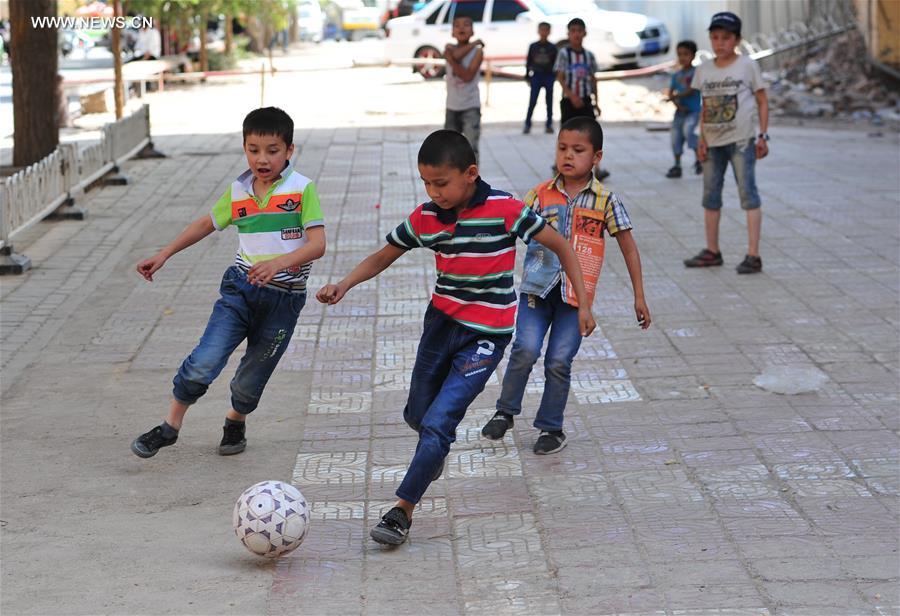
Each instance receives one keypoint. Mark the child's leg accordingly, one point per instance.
(274, 319)
(471, 127)
(563, 345)
(677, 135)
(475, 357)
(433, 363)
(743, 162)
(713, 180)
(226, 329)
(453, 120)
(532, 100)
(532, 323)
(548, 87)
(690, 130)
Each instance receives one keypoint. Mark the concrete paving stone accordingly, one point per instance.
(797, 569)
(833, 595)
(717, 458)
(702, 597)
(707, 572)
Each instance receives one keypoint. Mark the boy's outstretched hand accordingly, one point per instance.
(148, 267)
(643, 313)
(586, 322)
(330, 294)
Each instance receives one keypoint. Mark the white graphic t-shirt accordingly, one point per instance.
(729, 104)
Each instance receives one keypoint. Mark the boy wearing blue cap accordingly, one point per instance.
(734, 103)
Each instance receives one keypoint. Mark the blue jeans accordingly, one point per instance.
(535, 317)
(453, 364)
(265, 317)
(538, 81)
(684, 129)
(742, 156)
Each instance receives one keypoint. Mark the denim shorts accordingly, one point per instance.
(742, 156)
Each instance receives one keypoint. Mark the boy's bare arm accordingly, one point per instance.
(458, 52)
(633, 262)
(368, 268)
(762, 102)
(191, 234)
(558, 244)
(467, 73)
(701, 143)
(261, 273)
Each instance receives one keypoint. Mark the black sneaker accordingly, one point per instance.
(549, 442)
(548, 130)
(750, 265)
(698, 167)
(497, 426)
(704, 258)
(393, 528)
(526, 130)
(233, 440)
(147, 444)
(674, 172)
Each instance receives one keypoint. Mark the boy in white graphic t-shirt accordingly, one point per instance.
(734, 104)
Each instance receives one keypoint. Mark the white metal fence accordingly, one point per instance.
(35, 192)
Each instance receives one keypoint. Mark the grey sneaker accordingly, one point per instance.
(393, 528)
(549, 442)
(497, 426)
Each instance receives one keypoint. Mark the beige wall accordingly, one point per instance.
(880, 21)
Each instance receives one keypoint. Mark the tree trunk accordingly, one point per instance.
(294, 28)
(119, 86)
(34, 86)
(229, 32)
(204, 60)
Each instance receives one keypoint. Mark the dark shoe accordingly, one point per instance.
(526, 130)
(233, 440)
(549, 442)
(674, 172)
(497, 426)
(698, 167)
(147, 444)
(393, 528)
(601, 174)
(548, 130)
(704, 258)
(750, 265)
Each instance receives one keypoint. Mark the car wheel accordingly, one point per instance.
(428, 71)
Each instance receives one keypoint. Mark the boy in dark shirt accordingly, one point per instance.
(539, 73)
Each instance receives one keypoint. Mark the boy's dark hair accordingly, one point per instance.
(588, 126)
(544, 24)
(578, 21)
(446, 147)
(467, 17)
(269, 121)
(689, 45)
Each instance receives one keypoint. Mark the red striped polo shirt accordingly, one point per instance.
(475, 255)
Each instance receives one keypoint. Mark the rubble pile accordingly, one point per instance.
(833, 80)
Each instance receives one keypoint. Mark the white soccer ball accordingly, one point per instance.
(271, 518)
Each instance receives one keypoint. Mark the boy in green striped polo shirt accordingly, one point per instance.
(281, 232)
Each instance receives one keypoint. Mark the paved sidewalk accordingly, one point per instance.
(684, 489)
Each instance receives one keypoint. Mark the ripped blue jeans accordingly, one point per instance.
(264, 316)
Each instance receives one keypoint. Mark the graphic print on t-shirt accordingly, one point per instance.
(720, 109)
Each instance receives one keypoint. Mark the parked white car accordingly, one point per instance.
(508, 26)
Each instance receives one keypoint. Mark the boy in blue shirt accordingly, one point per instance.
(687, 108)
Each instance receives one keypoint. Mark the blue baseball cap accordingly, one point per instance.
(727, 21)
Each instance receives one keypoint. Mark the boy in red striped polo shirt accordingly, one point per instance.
(472, 229)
